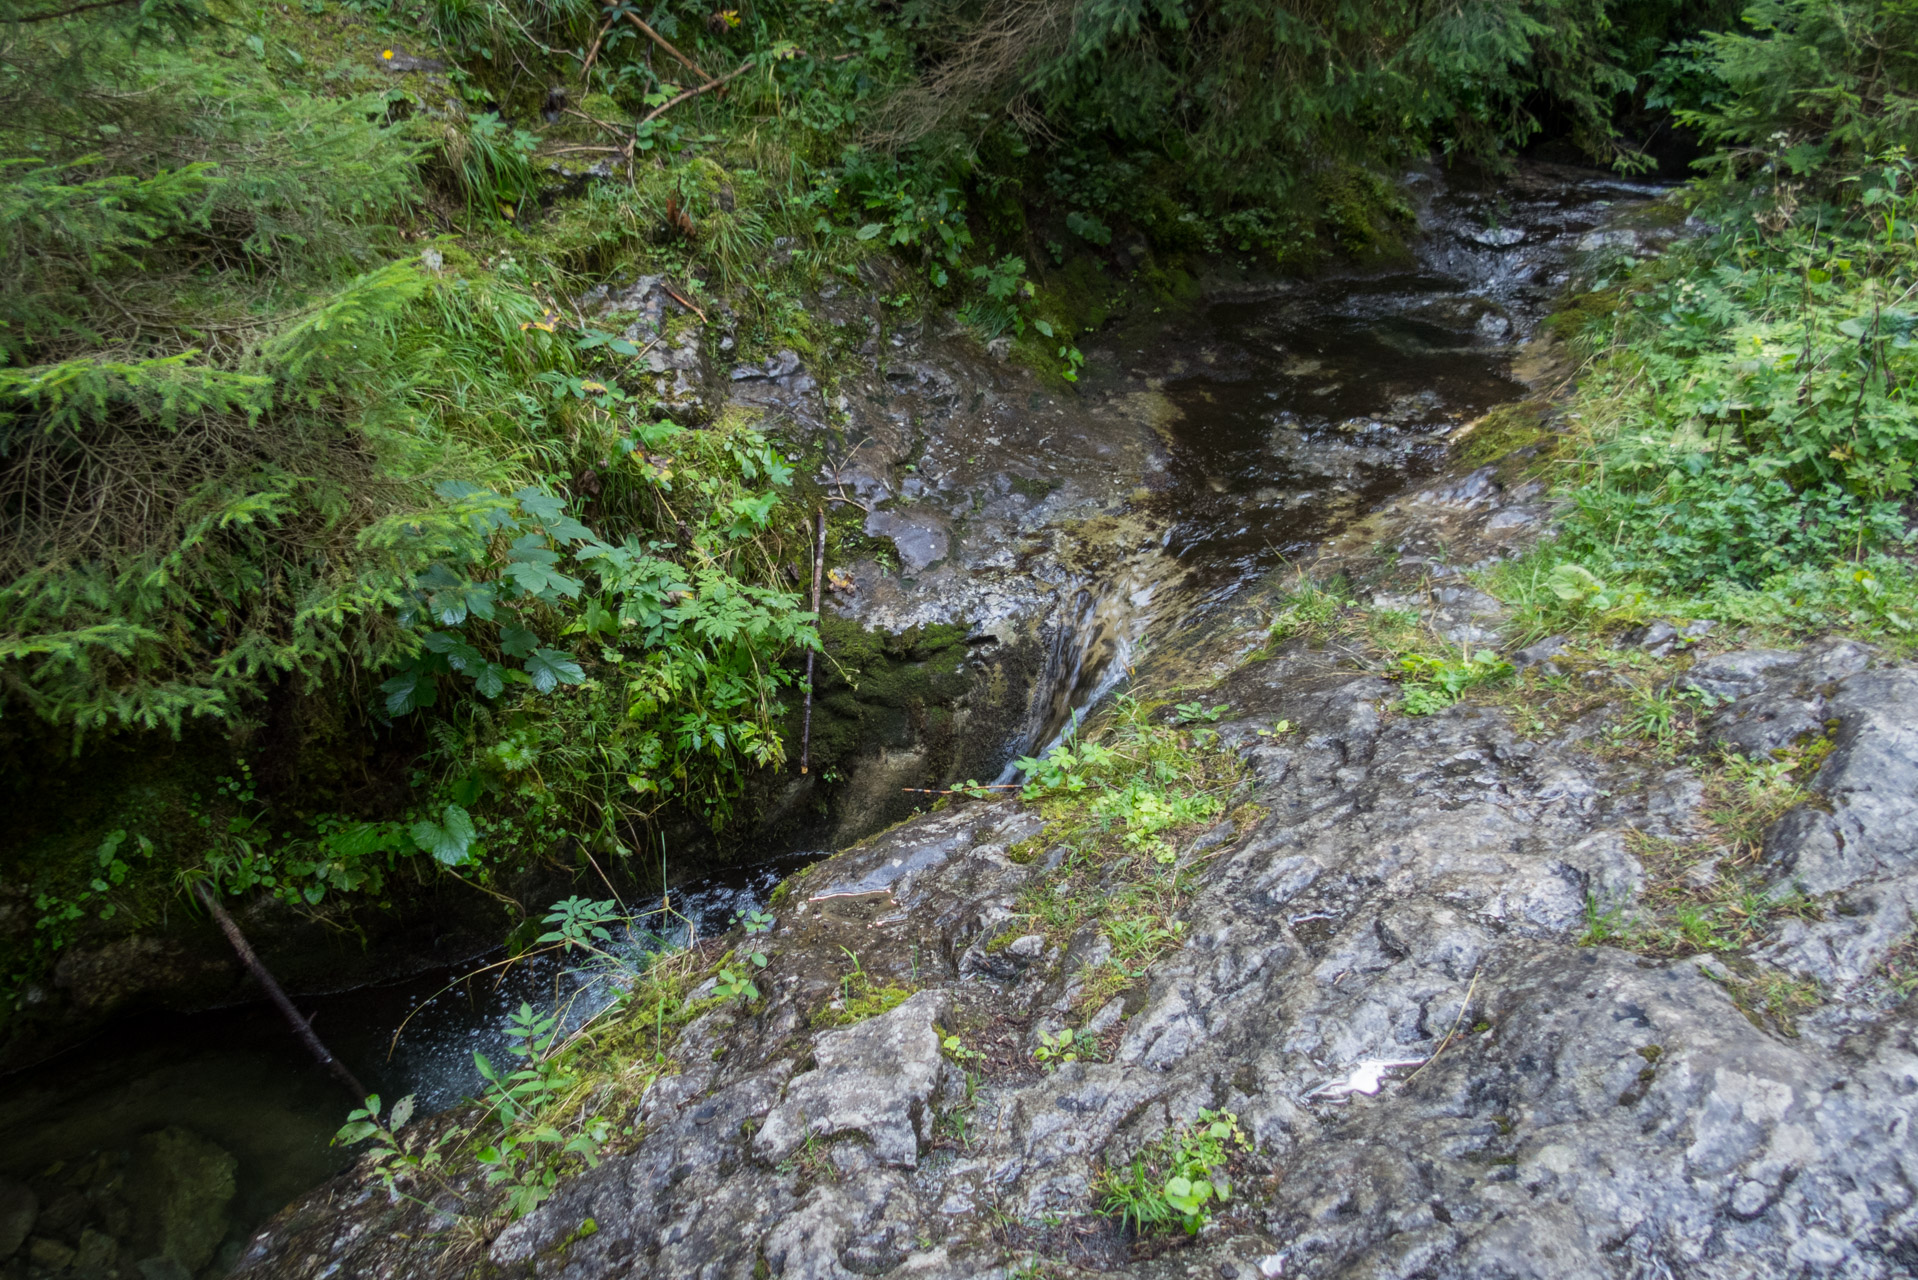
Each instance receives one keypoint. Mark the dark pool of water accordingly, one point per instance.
(237, 1077)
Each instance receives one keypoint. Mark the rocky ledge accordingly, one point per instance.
(1389, 964)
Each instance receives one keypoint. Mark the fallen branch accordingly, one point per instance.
(667, 45)
(592, 54)
(818, 568)
(710, 85)
(683, 301)
(301, 1027)
(965, 791)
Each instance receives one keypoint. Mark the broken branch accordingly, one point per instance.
(667, 45)
(664, 107)
(301, 1027)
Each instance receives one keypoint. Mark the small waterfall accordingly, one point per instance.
(1098, 632)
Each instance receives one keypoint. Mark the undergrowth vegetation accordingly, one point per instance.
(1744, 444)
(554, 1107)
(1118, 805)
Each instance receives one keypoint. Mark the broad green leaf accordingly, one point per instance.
(517, 641)
(450, 840)
(549, 668)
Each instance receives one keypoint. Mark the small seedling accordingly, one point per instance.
(735, 984)
(1056, 1048)
(755, 921)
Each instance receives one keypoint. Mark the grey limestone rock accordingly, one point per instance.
(1380, 973)
(879, 1079)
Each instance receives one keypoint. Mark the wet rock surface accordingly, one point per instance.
(1381, 973)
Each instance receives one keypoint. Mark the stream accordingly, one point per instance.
(1300, 406)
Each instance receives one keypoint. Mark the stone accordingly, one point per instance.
(96, 1253)
(919, 536)
(18, 1208)
(1539, 651)
(179, 1187)
(877, 1079)
(161, 1267)
(1727, 676)
(45, 1251)
(1414, 883)
(1871, 783)
(1657, 638)
(1765, 723)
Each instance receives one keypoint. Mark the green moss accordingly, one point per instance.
(1170, 284)
(877, 688)
(1027, 851)
(1363, 213)
(864, 1000)
(1583, 316)
(1504, 431)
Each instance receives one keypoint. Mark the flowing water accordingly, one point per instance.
(1299, 406)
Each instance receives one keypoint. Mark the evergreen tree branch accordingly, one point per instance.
(57, 14)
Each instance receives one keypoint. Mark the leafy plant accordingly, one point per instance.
(735, 984)
(1056, 1048)
(756, 921)
(1178, 1178)
(526, 1157)
(582, 924)
(395, 1159)
(1432, 683)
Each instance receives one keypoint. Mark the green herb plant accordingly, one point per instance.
(1178, 1178)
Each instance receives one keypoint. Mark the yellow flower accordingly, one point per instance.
(388, 55)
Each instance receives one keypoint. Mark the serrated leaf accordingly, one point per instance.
(409, 691)
(492, 681)
(567, 529)
(516, 641)
(549, 668)
(870, 230)
(402, 1112)
(541, 506)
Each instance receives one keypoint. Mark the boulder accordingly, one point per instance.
(18, 1208)
(179, 1188)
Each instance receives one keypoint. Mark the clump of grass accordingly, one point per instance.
(1310, 609)
(1178, 1178)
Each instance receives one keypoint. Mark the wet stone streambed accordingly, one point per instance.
(1214, 448)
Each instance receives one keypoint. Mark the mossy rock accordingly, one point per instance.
(1505, 432)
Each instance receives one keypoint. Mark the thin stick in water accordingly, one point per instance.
(818, 569)
(301, 1027)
